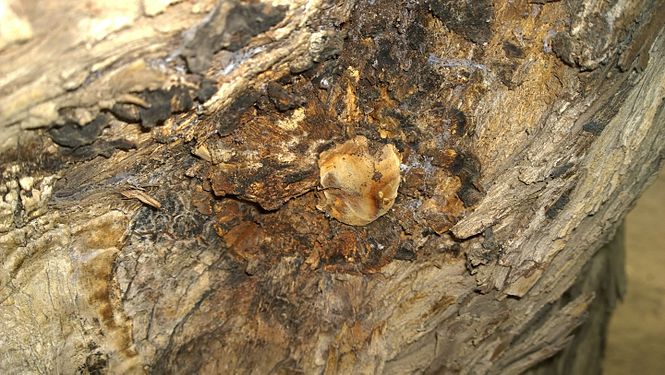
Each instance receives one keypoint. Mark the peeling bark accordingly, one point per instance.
(160, 180)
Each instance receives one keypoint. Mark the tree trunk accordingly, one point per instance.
(317, 186)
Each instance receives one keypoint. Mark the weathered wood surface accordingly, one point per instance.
(604, 276)
(160, 180)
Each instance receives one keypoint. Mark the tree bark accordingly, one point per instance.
(179, 179)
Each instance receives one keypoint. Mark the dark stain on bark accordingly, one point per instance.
(489, 241)
(102, 148)
(468, 18)
(126, 112)
(299, 176)
(594, 127)
(282, 98)
(74, 135)
(416, 35)
(406, 252)
(459, 123)
(512, 50)
(230, 30)
(557, 206)
(586, 49)
(561, 170)
(96, 362)
(160, 105)
(207, 89)
(181, 99)
(228, 120)
(159, 110)
(505, 72)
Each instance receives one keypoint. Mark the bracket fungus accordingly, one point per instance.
(359, 186)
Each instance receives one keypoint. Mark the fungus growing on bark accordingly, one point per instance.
(359, 186)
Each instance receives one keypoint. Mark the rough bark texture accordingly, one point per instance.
(604, 277)
(160, 180)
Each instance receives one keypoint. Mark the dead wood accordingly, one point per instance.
(525, 130)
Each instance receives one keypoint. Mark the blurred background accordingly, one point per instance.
(636, 337)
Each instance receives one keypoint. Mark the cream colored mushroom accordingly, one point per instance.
(358, 187)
